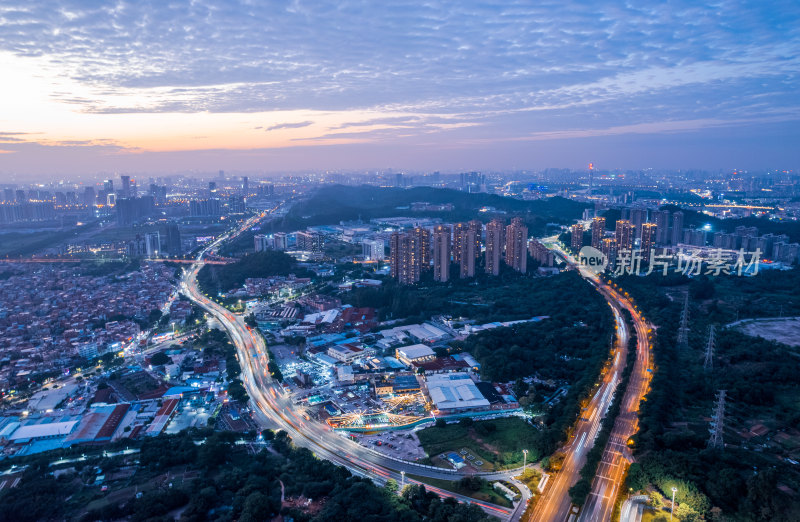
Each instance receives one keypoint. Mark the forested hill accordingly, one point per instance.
(200, 475)
(340, 203)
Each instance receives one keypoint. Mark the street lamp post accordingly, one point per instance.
(672, 510)
(524, 461)
(402, 480)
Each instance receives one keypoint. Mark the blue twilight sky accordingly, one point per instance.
(162, 86)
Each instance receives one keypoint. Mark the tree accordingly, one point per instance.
(160, 358)
(520, 387)
(258, 507)
(250, 320)
(580, 491)
(391, 486)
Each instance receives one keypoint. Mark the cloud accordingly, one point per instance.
(466, 71)
(296, 125)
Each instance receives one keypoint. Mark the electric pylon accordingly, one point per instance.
(717, 423)
(708, 363)
(683, 330)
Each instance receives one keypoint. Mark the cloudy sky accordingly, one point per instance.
(165, 86)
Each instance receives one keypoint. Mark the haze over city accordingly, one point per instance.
(179, 87)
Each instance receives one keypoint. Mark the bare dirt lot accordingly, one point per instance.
(786, 331)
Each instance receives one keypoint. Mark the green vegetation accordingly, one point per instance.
(20, 244)
(507, 297)
(571, 346)
(337, 203)
(206, 476)
(216, 342)
(108, 268)
(498, 442)
(473, 487)
(750, 478)
(216, 278)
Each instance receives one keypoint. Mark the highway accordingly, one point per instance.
(554, 504)
(611, 470)
(273, 409)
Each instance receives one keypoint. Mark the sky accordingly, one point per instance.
(254, 86)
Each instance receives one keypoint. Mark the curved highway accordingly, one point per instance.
(554, 504)
(273, 409)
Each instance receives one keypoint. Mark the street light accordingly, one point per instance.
(402, 480)
(674, 489)
(524, 461)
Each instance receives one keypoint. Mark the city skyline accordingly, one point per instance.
(151, 88)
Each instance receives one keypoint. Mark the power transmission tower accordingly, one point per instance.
(683, 330)
(717, 423)
(708, 364)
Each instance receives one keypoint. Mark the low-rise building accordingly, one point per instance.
(347, 353)
(453, 392)
(416, 353)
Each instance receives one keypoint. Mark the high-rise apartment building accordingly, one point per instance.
(458, 228)
(441, 253)
(404, 257)
(677, 227)
(662, 218)
(540, 253)
(623, 234)
(280, 241)
(152, 243)
(261, 243)
(577, 237)
(494, 246)
(517, 245)
(649, 232)
(476, 226)
(638, 218)
(126, 186)
(423, 238)
(609, 248)
(467, 264)
(598, 231)
(174, 241)
(310, 241)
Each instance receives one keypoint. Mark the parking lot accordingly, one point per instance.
(400, 444)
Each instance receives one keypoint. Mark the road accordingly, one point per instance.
(273, 409)
(555, 505)
(611, 470)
